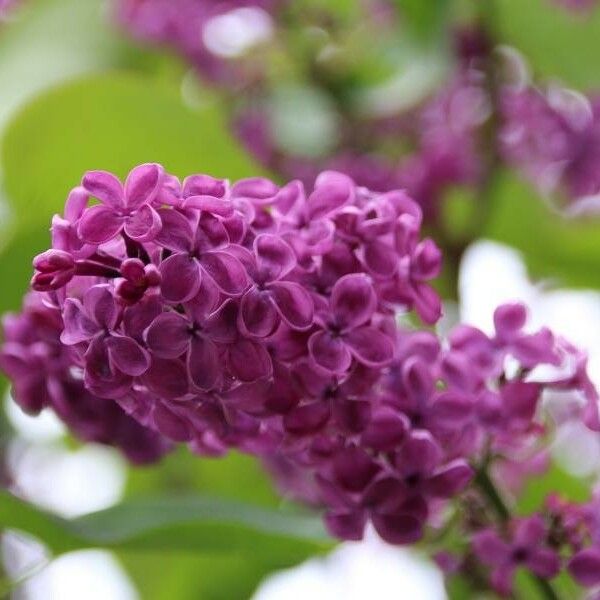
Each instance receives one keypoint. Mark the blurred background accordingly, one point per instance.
(485, 111)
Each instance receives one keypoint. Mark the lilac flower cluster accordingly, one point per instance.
(564, 535)
(44, 375)
(554, 138)
(263, 318)
(187, 302)
(437, 413)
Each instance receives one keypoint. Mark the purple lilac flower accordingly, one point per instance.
(554, 138)
(6, 7)
(44, 376)
(527, 547)
(262, 318)
(189, 26)
(577, 5)
(585, 567)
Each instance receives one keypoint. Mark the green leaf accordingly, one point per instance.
(558, 43)
(16, 253)
(235, 476)
(111, 122)
(198, 524)
(158, 576)
(554, 246)
(426, 18)
(54, 40)
(555, 480)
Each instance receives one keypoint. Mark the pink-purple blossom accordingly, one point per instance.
(262, 318)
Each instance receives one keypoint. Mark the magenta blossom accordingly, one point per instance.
(527, 547)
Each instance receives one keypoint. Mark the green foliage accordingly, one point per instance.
(175, 523)
(111, 122)
(54, 40)
(555, 480)
(558, 43)
(233, 476)
(553, 246)
(426, 18)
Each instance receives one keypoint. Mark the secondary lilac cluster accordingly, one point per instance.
(187, 25)
(564, 535)
(440, 410)
(44, 375)
(554, 138)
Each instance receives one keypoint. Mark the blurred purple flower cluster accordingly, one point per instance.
(6, 6)
(263, 318)
(451, 134)
(210, 34)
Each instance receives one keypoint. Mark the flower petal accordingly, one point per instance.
(380, 259)
(274, 257)
(226, 271)
(398, 528)
(420, 453)
(203, 363)
(99, 224)
(127, 356)
(585, 567)
(78, 327)
(99, 303)
(450, 479)
(490, 548)
(307, 419)
(181, 278)
(294, 303)
(332, 191)
(427, 302)
(258, 316)
(170, 425)
(346, 525)
(167, 378)
(370, 346)
(176, 232)
(249, 361)
(544, 563)
(142, 184)
(329, 353)
(104, 186)
(222, 325)
(169, 335)
(353, 300)
(354, 469)
(143, 224)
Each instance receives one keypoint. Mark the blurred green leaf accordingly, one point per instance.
(554, 246)
(111, 122)
(426, 18)
(234, 476)
(198, 524)
(193, 577)
(51, 41)
(557, 42)
(555, 480)
(16, 253)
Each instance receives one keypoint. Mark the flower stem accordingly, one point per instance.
(490, 492)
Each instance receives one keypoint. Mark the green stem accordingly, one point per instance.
(490, 492)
